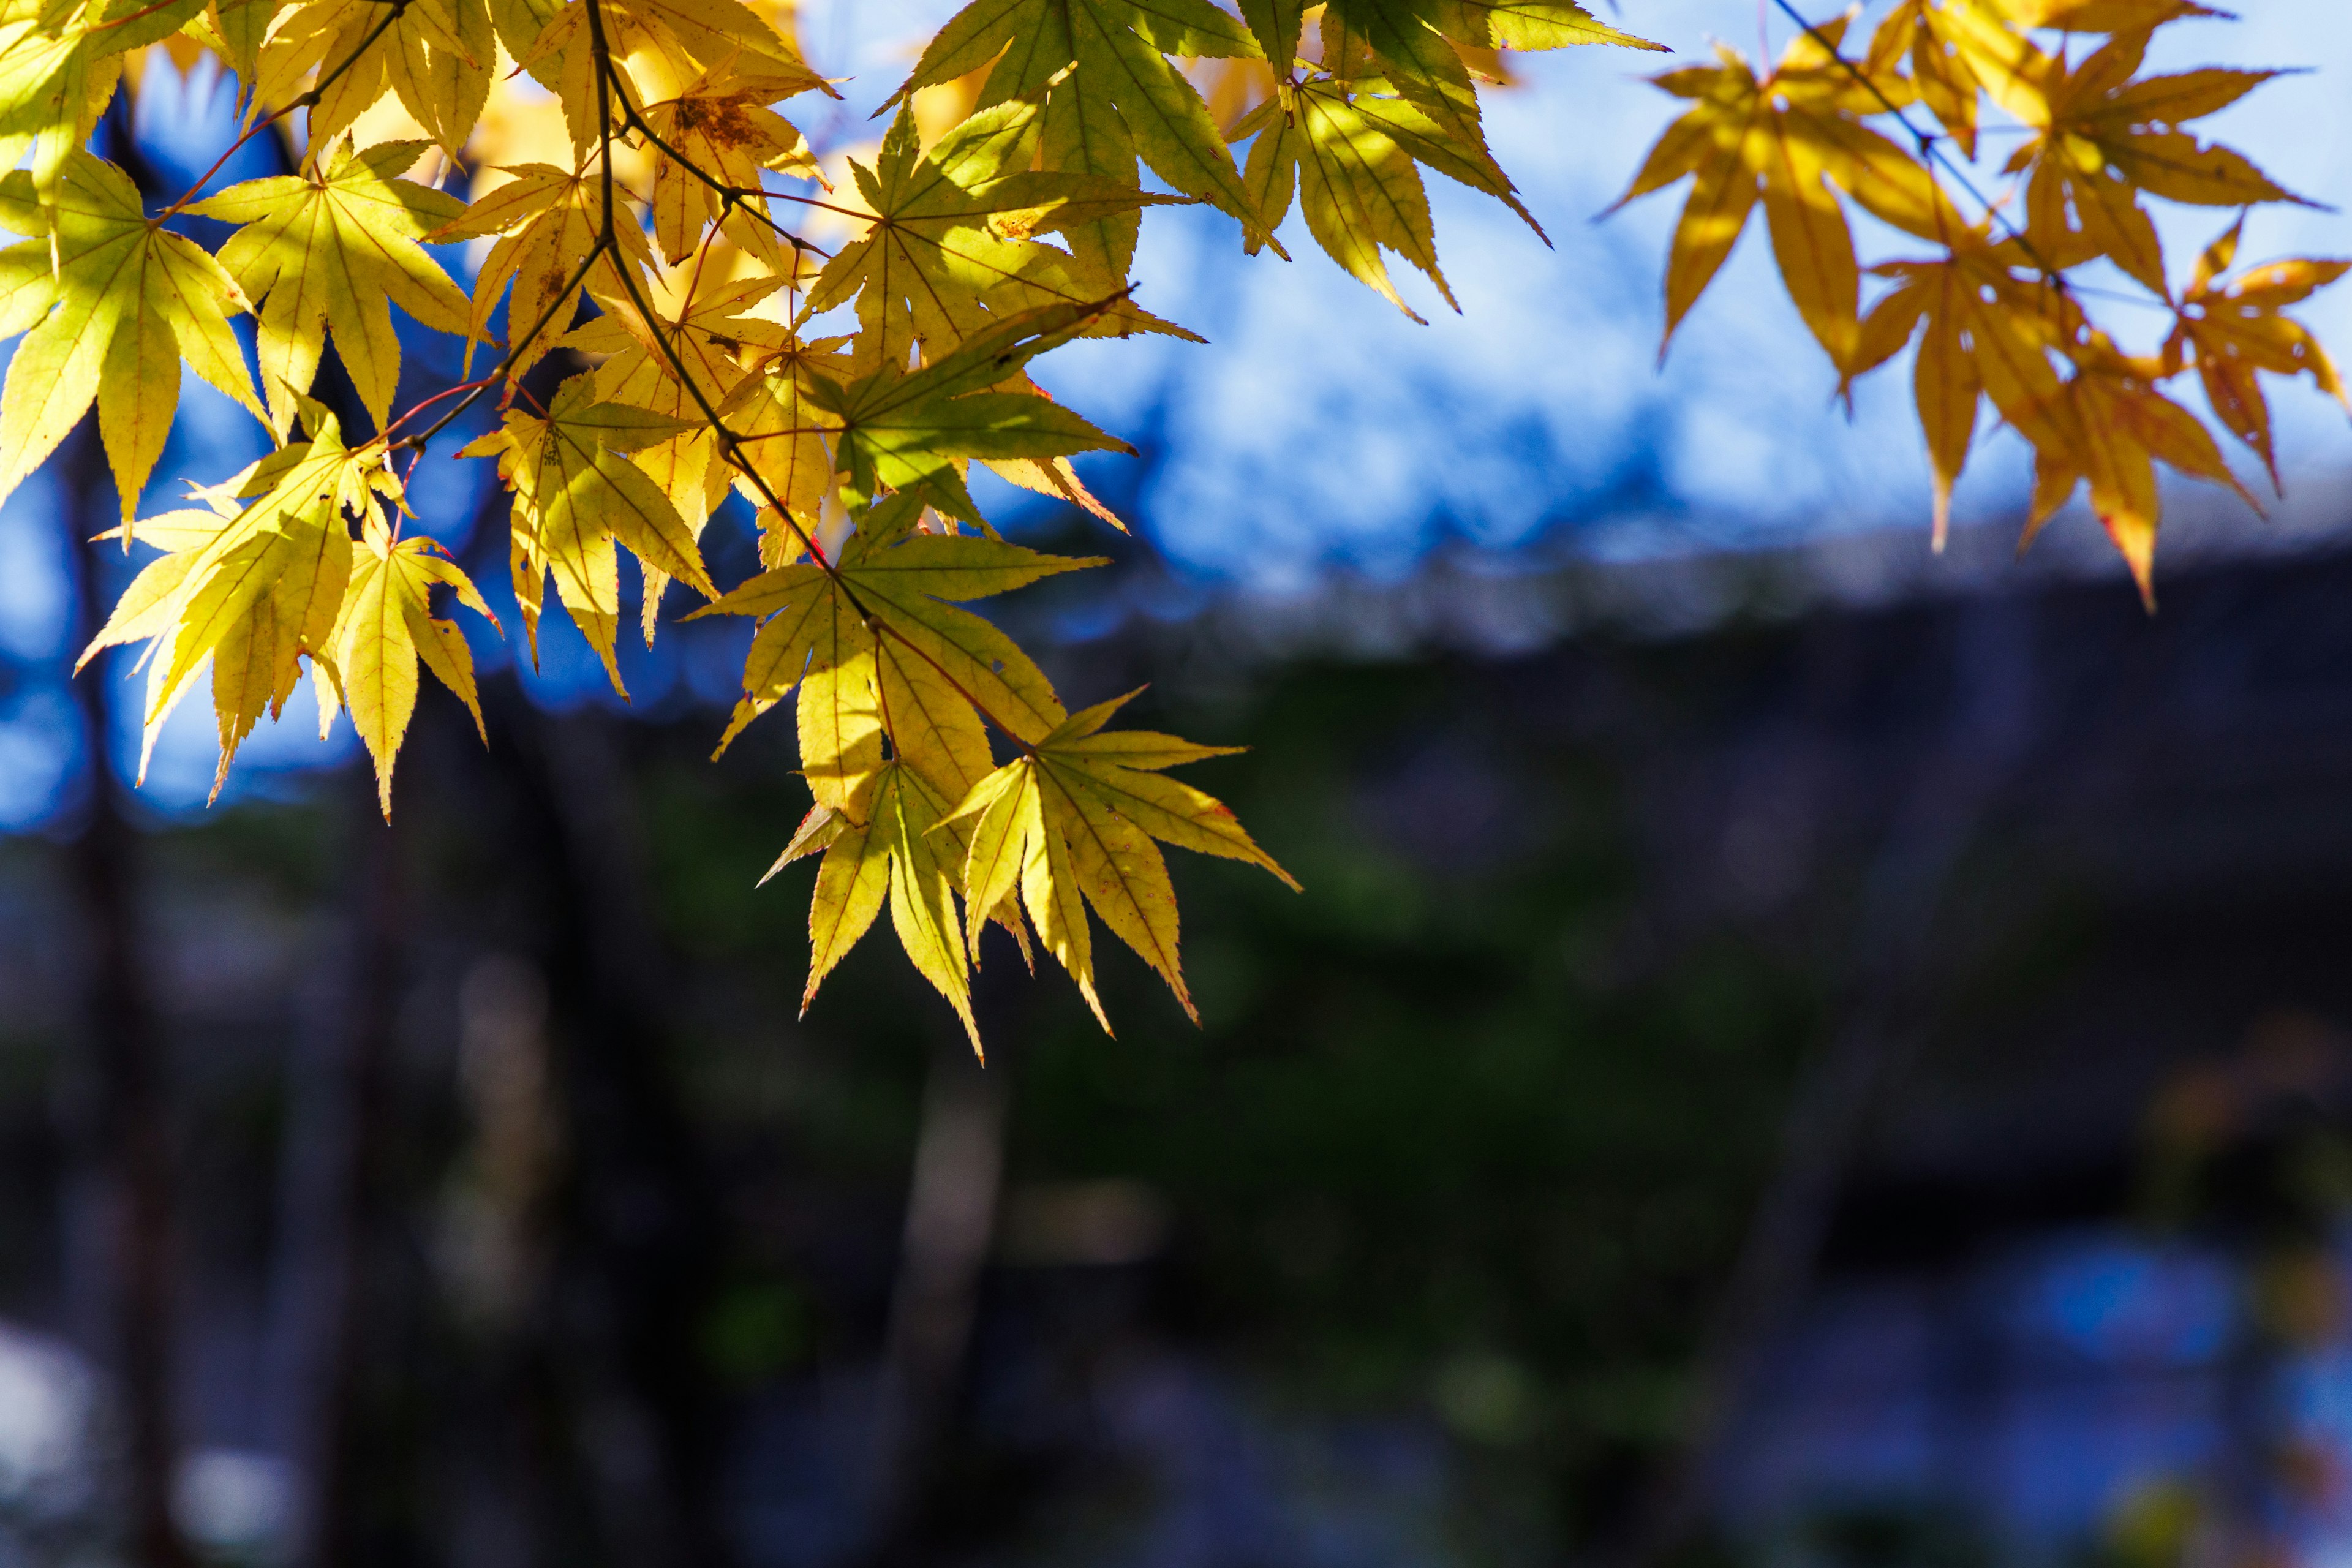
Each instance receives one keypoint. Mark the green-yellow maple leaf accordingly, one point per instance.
(712, 339)
(549, 223)
(127, 302)
(386, 626)
(436, 55)
(252, 588)
(59, 63)
(825, 624)
(576, 496)
(899, 431)
(334, 250)
(952, 242)
(1413, 44)
(1113, 96)
(1071, 824)
(1526, 25)
(785, 441)
(1359, 187)
(895, 854)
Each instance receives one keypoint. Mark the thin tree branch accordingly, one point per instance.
(1930, 148)
(514, 353)
(309, 99)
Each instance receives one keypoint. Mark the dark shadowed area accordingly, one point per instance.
(1825, 1056)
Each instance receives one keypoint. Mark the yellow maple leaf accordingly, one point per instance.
(334, 250)
(2110, 428)
(2232, 332)
(113, 309)
(1070, 825)
(1790, 139)
(254, 584)
(385, 627)
(576, 497)
(2103, 136)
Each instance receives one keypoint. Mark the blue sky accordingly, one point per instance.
(1320, 429)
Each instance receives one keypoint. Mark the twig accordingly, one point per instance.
(514, 353)
(1927, 143)
(309, 99)
(733, 196)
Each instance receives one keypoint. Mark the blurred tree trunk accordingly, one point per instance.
(951, 1220)
(332, 1198)
(513, 1492)
(133, 1132)
(952, 1196)
(640, 1237)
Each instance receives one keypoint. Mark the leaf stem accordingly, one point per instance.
(514, 351)
(463, 386)
(140, 14)
(309, 99)
(732, 196)
(729, 443)
(1927, 142)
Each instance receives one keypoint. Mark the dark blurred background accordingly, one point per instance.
(1861, 1081)
(1792, 1051)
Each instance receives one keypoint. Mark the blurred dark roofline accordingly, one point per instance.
(1498, 603)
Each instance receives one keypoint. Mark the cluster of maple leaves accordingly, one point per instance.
(675, 250)
(844, 395)
(2006, 314)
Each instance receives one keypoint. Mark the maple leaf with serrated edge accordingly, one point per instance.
(334, 250)
(1071, 824)
(951, 248)
(905, 431)
(668, 43)
(2110, 429)
(1791, 139)
(1054, 476)
(1359, 189)
(436, 55)
(719, 120)
(893, 856)
(2104, 138)
(59, 64)
(252, 588)
(2236, 332)
(386, 626)
(785, 441)
(882, 659)
(711, 337)
(1987, 332)
(1116, 97)
(576, 497)
(886, 584)
(1398, 41)
(126, 303)
(1414, 53)
(548, 223)
(1526, 25)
